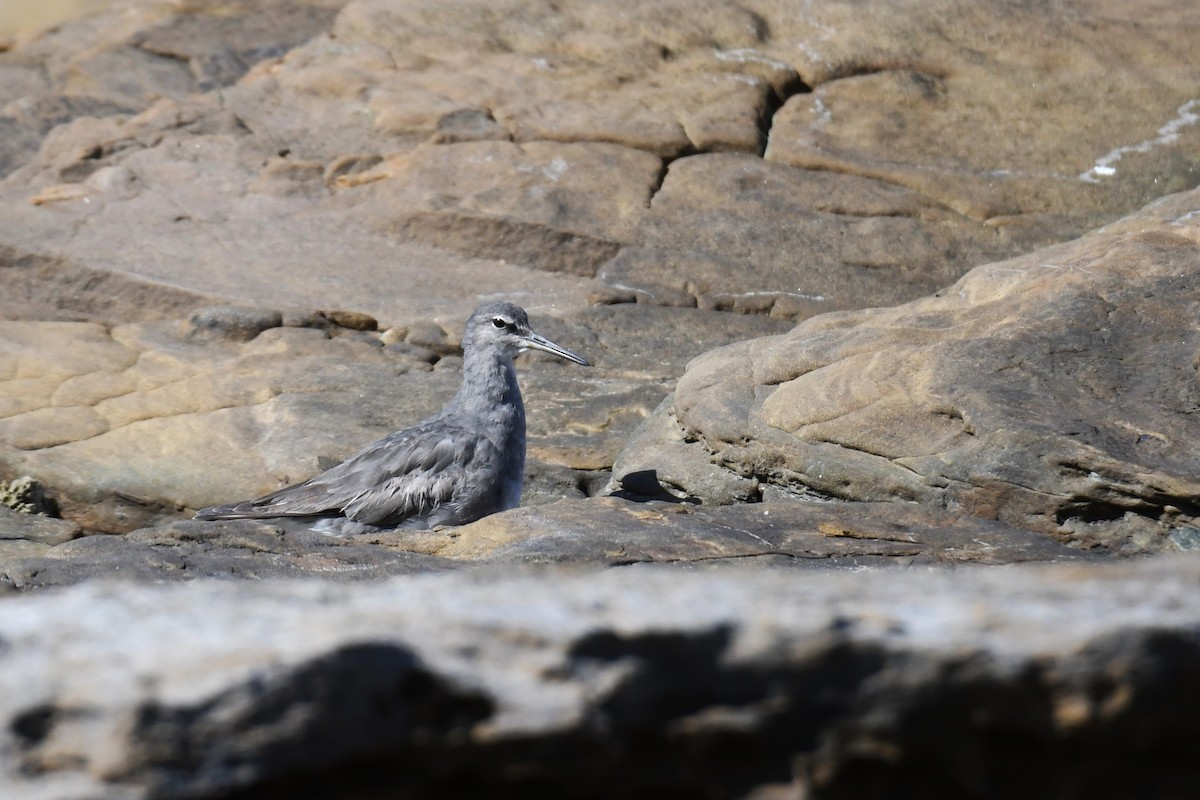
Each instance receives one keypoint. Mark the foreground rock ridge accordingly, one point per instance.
(627, 683)
(877, 487)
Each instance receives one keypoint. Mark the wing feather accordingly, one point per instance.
(400, 476)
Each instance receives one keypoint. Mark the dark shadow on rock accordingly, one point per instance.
(352, 704)
(644, 485)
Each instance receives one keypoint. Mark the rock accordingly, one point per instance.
(848, 241)
(1055, 392)
(428, 335)
(548, 530)
(354, 320)
(120, 61)
(792, 535)
(220, 43)
(555, 207)
(24, 534)
(189, 550)
(226, 322)
(70, 291)
(629, 683)
(750, 161)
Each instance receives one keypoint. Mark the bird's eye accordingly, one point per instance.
(499, 323)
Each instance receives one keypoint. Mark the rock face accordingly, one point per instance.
(1056, 392)
(621, 684)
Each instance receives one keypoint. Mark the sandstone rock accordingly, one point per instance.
(121, 61)
(847, 242)
(1055, 392)
(557, 207)
(561, 137)
(630, 683)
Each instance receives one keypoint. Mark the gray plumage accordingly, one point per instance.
(461, 464)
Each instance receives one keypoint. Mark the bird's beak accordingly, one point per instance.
(533, 341)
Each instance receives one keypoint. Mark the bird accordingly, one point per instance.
(461, 464)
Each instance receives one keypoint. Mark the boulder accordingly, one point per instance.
(1055, 392)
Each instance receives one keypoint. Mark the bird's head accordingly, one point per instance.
(504, 327)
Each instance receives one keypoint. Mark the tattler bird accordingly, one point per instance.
(461, 464)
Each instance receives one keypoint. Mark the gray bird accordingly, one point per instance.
(461, 464)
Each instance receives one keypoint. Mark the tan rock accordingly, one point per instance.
(1055, 392)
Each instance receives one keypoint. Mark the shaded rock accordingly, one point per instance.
(1055, 392)
(228, 322)
(514, 685)
(23, 534)
(839, 241)
(44, 287)
(185, 551)
(35, 527)
(557, 207)
(220, 43)
(468, 125)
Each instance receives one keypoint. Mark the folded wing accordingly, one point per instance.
(407, 474)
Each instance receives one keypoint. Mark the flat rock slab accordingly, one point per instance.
(794, 535)
(627, 683)
(1056, 392)
(609, 531)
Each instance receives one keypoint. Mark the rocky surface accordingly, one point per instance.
(656, 149)
(1056, 391)
(1052, 682)
(600, 532)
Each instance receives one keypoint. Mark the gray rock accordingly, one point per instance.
(16, 525)
(633, 683)
(188, 550)
(26, 535)
(548, 530)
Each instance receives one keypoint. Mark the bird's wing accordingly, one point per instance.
(409, 473)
